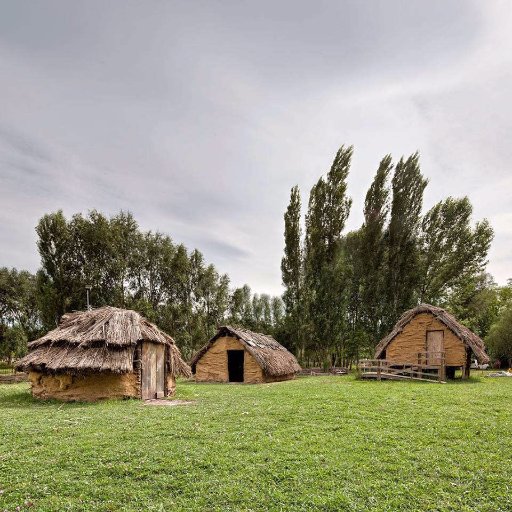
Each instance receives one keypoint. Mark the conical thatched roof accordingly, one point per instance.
(273, 358)
(469, 338)
(102, 339)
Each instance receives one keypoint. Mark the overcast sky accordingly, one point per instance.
(199, 117)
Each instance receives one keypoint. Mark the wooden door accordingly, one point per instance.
(435, 345)
(153, 371)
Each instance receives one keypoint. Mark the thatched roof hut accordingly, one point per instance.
(427, 328)
(235, 354)
(102, 353)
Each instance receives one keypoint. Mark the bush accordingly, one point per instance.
(13, 344)
(499, 340)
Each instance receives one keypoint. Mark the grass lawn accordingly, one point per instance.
(315, 443)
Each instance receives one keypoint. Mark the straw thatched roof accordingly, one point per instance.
(273, 358)
(102, 339)
(469, 338)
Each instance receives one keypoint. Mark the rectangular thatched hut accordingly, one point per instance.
(103, 353)
(429, 333)
(240, 355)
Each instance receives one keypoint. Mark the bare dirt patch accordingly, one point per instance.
(168, 403)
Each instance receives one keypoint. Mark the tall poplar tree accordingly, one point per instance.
(291, 264)
(408, 186)
(292, 270)
(328, 211)
(372, 251)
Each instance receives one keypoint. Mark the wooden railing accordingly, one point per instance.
(431, 358)
(427, 368)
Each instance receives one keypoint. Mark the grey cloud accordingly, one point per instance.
(229, 251)
(199, 116)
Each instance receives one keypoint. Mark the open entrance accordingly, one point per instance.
(236, 365)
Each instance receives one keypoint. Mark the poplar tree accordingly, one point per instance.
(328, 210)
(372, 251)
(291, 264)
(408, 186)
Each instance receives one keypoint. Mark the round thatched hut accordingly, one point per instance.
(431, 333)
(239, 355)
(103, 353)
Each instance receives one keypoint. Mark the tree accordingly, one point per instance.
(13, 343)
(292, 269)
(58, 268)
(328, 210)
(18, 301)
(402, 281)
(475, 302)
(372, 253)
(451, 251)
(499, 340)
(291, 264)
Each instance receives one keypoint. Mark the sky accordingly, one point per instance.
(199, 117)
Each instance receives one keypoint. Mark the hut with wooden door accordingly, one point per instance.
(103, 353)
(235, 354)
(431, 336)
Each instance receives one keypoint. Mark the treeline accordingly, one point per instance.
(128, 268)
(343, 292)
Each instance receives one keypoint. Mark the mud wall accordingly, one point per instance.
(84, 388)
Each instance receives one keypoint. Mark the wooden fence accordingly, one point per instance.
(9, 375)
(317, 371)
(429, 367)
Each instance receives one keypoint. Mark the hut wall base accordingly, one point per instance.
(86, 388)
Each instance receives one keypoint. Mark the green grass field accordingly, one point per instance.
(316, 443)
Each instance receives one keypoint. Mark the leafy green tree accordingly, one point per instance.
(13, 343)
(58, 271)
(370, 264)
(451, 251)
(328, 210)
(403, 257)
(18, 301)
(292, 270)
(475, 302)
(278, 313)
(499, 340)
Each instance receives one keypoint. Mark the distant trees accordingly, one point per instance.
(499, 340)
(19, 313)
(356, 285)
(129, 268)
(343, 291)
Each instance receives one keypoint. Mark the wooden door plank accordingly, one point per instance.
(160, 371)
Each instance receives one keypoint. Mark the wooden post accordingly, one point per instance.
(378, 370)
(467, 366)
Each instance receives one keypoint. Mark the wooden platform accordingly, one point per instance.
(429, 369)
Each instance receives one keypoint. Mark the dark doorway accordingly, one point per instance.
(236, 365)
